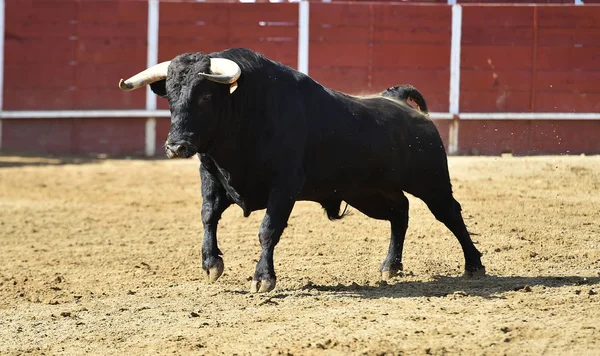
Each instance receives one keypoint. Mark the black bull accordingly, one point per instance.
(270, 136)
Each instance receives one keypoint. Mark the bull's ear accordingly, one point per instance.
(159, 88)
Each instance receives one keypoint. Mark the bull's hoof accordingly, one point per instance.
(475, 272)
(263, 286)
(390, 270)
(214, 272)
(389, 274)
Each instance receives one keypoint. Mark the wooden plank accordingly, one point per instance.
(498, 36)
(568, 58)
(351, 80)
(39, 50)
(494, 101)
(567, 101)
(99, 11)
(565, 136)
(101, 51)
(240, 33)
(162, 103)
(38, 99)
(168, 50)
(411, 56)
(108, 30)
(498, 79)
(49, 29)
(112, 136)
(51, 136)
(33, 12)
(92, 75)
(496, 57)
(567, 81)
(569, 37)
(482, 137)
(484, 17)
(412, 35)
(338, 55)
(407, 16)
(107, 98)
(338, 34)
(181, 12)
(285, 14)
(508, 2)
(284, 52)
(356, 14)
(34, 75)
(569, 17)
(192, 30)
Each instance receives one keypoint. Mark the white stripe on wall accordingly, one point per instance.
(455, 58)
(150, 136)
(83, 114)
(530, 116)
(455, 76)
(1, 63)
(303, 33)
(151, 59)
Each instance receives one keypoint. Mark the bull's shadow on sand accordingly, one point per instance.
(487, 287)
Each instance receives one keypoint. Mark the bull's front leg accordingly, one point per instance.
(214, 203)
(280, 205)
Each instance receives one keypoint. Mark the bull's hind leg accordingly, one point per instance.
(214, 203)
(396, 212)
(448, 211)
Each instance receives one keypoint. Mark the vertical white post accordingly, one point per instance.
(455, 76)
(303, 27)
(151, 59)
(578, 2)
(455, 58)
(1, 64)
(150, 136)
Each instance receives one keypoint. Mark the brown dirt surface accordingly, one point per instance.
(104, 257)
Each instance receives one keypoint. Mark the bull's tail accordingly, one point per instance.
(404, 92)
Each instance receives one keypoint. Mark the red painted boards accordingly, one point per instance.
(112, 136)
(493, 137)
(271, 29)
(496, 59)
(363, 48)
(74, 58)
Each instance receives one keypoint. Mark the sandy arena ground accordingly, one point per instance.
(103, 257)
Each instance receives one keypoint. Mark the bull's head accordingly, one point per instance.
(197, 88)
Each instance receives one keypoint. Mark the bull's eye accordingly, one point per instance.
(204, 98)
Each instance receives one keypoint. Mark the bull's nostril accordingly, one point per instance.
(179, 149)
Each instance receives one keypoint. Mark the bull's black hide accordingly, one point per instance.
(281, 137)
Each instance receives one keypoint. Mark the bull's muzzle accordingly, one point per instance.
(180, 150)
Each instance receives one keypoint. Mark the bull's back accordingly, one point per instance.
(372, 144)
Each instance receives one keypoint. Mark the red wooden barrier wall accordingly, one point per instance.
(513, 59)
(366, 48)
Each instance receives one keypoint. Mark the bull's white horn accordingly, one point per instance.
(224, 71)
(153, 74)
